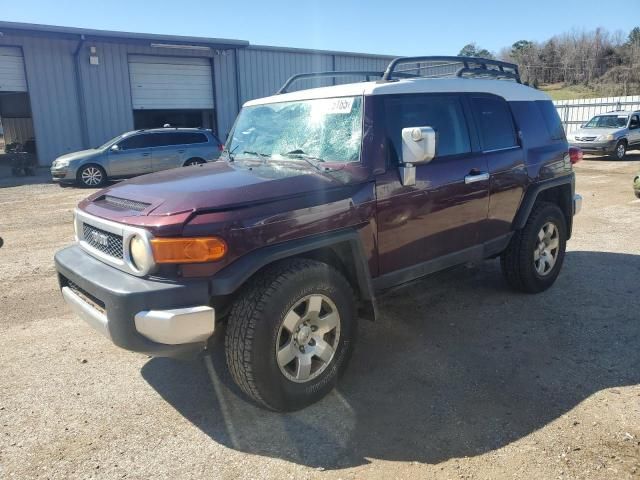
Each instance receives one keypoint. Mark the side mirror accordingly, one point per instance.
(115, 148)
(418, 147)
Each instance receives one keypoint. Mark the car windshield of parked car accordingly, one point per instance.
(607, 121)
(327, 129)
(108, 143)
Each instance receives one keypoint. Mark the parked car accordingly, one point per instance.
(326, 197)
(610, 133)
(137, 153)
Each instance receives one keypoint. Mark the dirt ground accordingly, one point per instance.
(461, 378)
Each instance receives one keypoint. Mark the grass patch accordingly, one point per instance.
(560, 91)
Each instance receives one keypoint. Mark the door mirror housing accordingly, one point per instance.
(418, 147)
(115, 148)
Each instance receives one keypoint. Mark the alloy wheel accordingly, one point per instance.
(91, 176)
(547, 248)
(308, 338)
(620, 151)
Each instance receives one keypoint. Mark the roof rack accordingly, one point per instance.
(306, 76)
(445, 66)
(423, 67)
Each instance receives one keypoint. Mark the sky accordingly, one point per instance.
(385, 27)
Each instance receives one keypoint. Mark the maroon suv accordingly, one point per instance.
(323, 198)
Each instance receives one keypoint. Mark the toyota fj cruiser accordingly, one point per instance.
(324, 198)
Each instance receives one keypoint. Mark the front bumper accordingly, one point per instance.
(595, 147)
(63, 174)
(157, 317)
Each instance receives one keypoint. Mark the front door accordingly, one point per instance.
(167, 151)
(634, 131)
(443, 214)
(132, 157)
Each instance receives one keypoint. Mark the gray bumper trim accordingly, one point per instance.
(89, 314)
(577, 204)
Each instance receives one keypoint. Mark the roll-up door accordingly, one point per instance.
(170, 82)
(12, 77)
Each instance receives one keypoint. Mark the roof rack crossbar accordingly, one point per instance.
(470, 65)
(306, 76)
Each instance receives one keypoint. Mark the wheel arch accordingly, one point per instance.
(558, 190)
(342, 250)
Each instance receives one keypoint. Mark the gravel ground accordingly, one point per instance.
(461, 378)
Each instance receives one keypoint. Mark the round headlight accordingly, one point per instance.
(140, 253)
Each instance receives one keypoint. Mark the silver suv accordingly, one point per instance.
(611, 133)
(136, 153)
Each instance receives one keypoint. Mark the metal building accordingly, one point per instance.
(74, 88)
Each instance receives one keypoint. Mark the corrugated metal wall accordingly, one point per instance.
(51, 84)
(67, 118)
(17, 130)
(574, 113)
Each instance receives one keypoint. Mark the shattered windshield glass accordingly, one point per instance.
(321, 130)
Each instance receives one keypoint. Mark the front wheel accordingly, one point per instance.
(620, 150)
(290, 334)
(92, 176)
(532, 261)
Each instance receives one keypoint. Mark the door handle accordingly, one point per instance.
(180, 151)
(146, 154)
(475, 176)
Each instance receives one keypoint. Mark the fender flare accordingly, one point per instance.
(531, 195)
(232, 277)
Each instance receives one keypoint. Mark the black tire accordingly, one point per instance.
(517, 261)
(193, 161)
(254, 326)
(621, 150)
(95, 180)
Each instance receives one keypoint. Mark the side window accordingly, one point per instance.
(634, 123)
(136, 141)
(494, 123)
(442, 113)
(552, 120)
(188, 138)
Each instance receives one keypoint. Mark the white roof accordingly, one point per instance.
(510, 91)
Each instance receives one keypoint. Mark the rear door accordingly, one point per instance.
(173, 149)
(133, 156)
(445, 211)
(501, 150)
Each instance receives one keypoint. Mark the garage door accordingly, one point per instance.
(12, 78)
(170, 82)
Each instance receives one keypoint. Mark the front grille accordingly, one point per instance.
(85, 296)
(106, 242)
(125, 203)
(585, 139)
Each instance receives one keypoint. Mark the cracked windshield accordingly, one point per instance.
(321, 130)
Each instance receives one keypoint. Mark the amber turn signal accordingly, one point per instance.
(188, 250)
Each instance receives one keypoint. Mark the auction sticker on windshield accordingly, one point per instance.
(334, 105)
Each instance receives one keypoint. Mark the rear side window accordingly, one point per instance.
(136, 141)
(551, 120)
(494, 123)
(442, 113)
(179, 138)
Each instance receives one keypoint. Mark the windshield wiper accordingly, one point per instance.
(230, 153)
(257, 154)
(310, 159)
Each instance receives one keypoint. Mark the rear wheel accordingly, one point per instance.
(193, 161)
(532, 261)
(92, 176)
(290, 334)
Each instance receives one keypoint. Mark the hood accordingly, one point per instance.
(596, 132)
(219, 186)
(81, 155)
